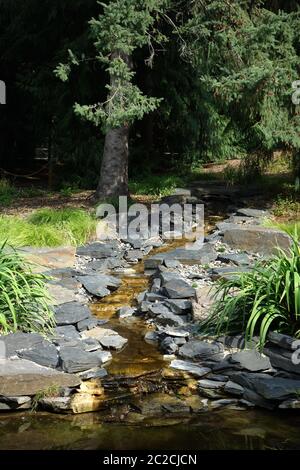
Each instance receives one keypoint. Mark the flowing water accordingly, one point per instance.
(226, 429)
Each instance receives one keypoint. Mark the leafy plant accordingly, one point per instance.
(24, 300)
(253, 302)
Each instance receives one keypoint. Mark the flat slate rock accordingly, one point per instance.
(19, 377)
(44, 354)
(239, 259)
(283, 341)
(268, 387)
(67, 332)
(179, 306)
(16, 341)
(50, 258)
(228, 273)
(99, 333)
(251, 360)
(201, 350)
(170, 319)
(158, 308)
(256, 213)
(87, 324)
(115, 342)
(95, 373)
(233, 389)
(211, 384)
(74, 359)
(190, 367)
(282, 358)
(99, 285)
(204, 255)
(71, 313)
(178, 289)
(98, 250)
(125, 312)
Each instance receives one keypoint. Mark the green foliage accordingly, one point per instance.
(287, 206)
(267, 297)
(156, 185)
(7, 192)
(48, 227)
(24, 301)
(246, 59)
(123, 27)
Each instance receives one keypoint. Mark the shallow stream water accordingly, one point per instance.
(226, 429)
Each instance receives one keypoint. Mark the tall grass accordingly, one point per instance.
(267, 297)
(48, 227)
(24, 300)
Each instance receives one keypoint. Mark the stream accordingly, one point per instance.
(222, 429)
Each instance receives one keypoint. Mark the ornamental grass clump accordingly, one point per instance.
(267, 297)
(24, 299)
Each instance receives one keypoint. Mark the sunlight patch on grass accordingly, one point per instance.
(156, 185)
(48, 227)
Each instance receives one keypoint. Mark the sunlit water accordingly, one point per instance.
(227, 429)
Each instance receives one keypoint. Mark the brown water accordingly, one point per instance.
(216, 430)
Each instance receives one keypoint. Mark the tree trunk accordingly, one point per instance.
(114, 169)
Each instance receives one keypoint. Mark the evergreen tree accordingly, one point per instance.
(123, 27)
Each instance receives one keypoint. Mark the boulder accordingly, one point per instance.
(256, 239)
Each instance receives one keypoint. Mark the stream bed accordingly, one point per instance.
(219, 429)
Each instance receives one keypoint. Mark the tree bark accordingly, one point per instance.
(114, 169)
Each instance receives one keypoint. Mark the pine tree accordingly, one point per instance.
(123, 27)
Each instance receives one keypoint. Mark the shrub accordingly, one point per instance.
(267, 296)
(24, 300)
